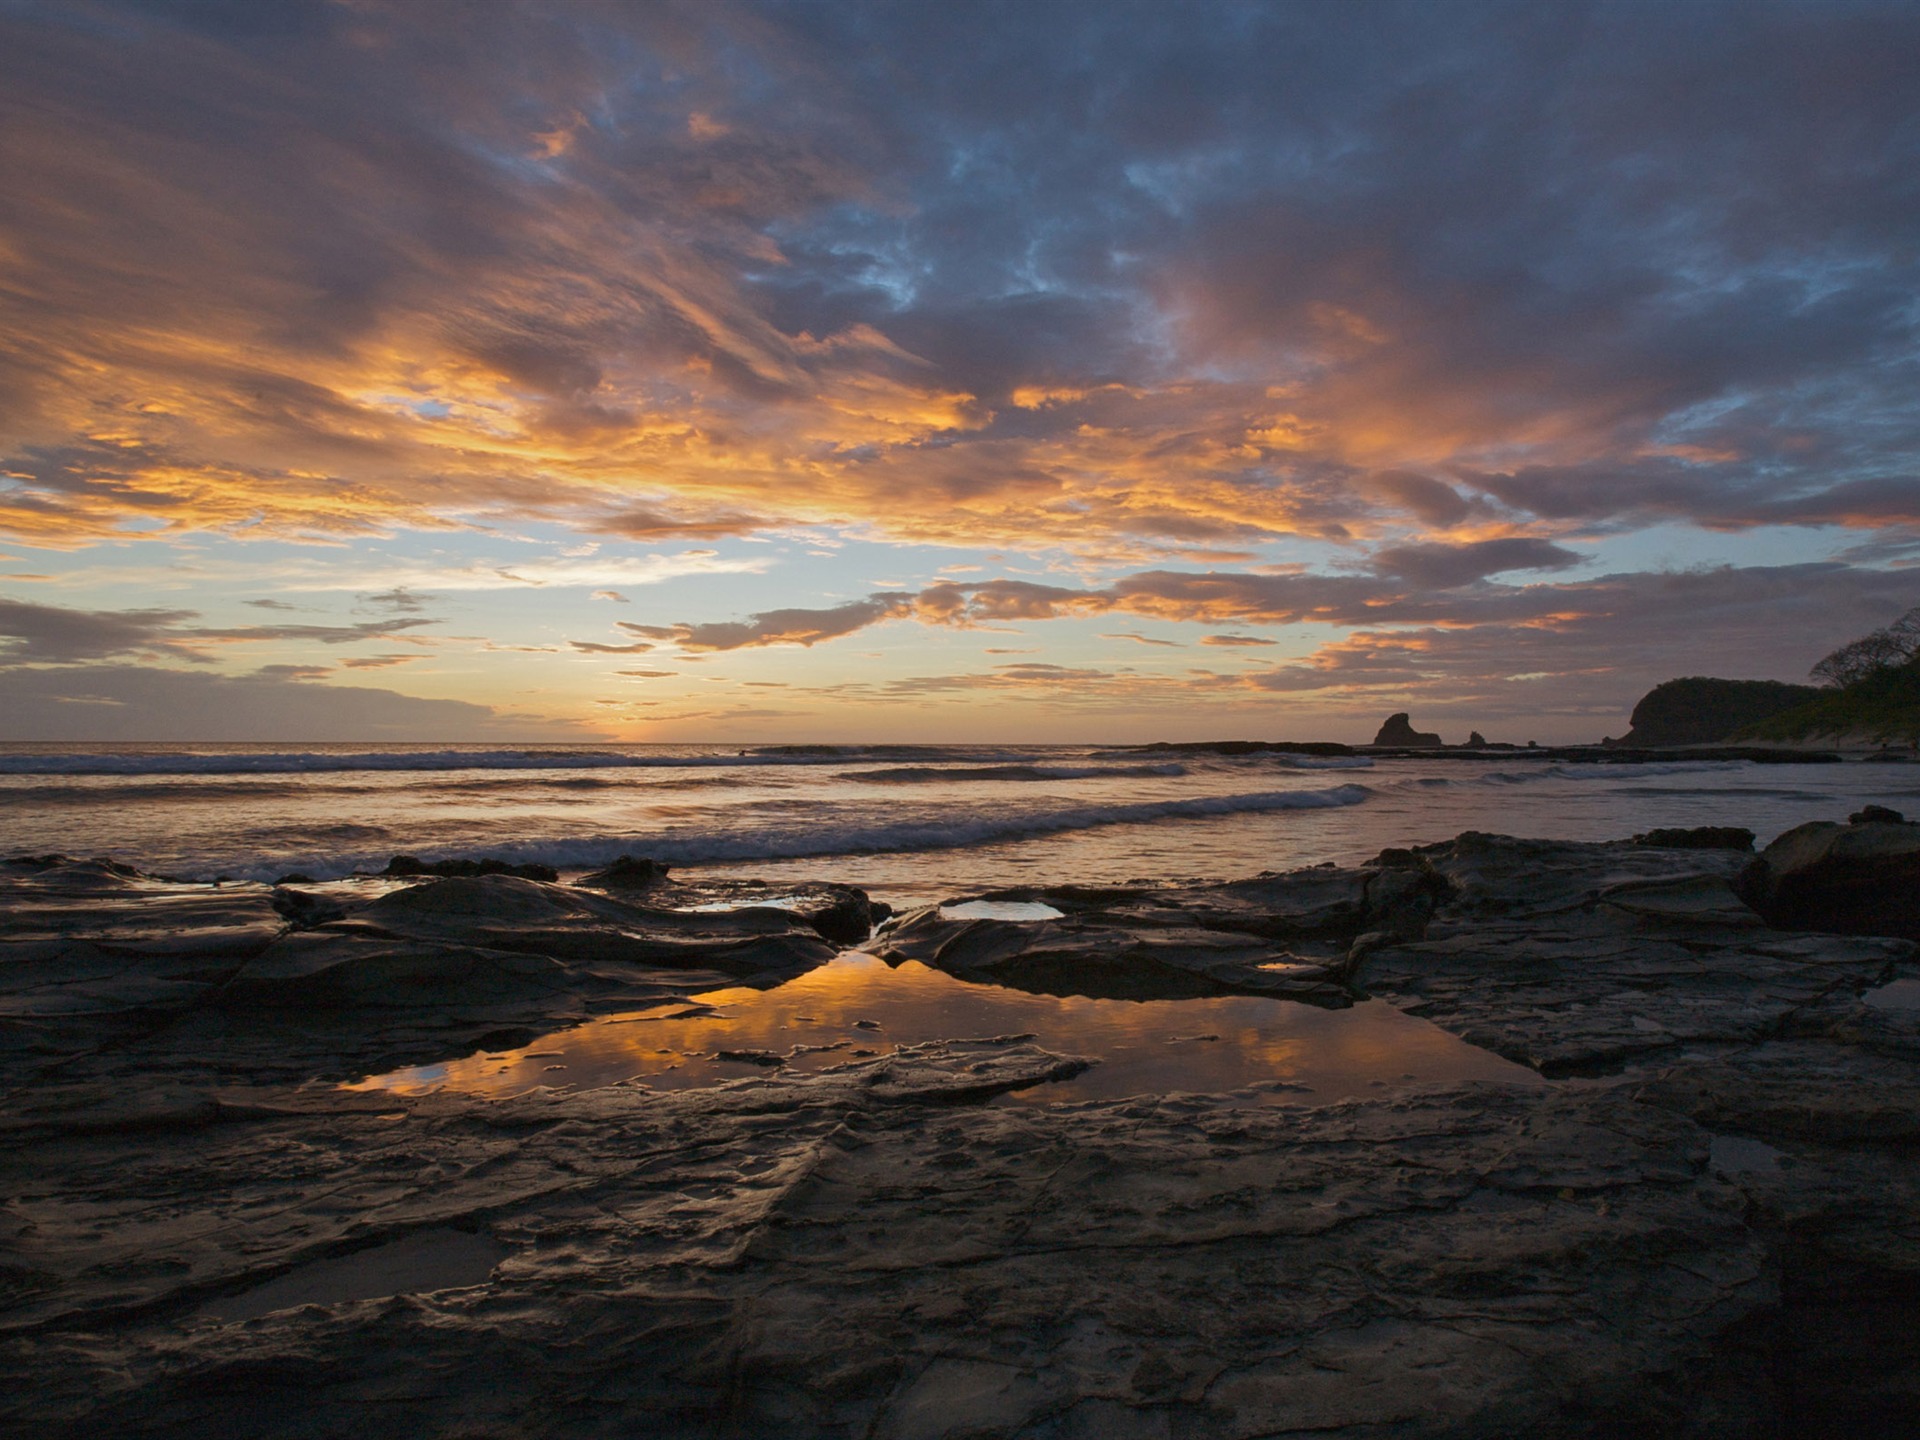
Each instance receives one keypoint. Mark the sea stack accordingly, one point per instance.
(1399, 731)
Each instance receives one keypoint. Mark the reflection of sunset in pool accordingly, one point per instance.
(856, 1006)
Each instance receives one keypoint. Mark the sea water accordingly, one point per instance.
(911, 824)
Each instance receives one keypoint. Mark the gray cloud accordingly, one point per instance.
(1429, 500)
(55, 634)
(776, 627)
(1674, 238)
(280, 703)
(1140, 639)
(377, 662)
(1163, 285)
(594, 647)
(1620, 633)
(1443, 567)
(399, 599)
(318, 634)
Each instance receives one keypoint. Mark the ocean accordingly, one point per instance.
(911, 824)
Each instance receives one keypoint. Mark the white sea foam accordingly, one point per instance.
(302, 762)
(1318, 762)
(311, 762)
(1602, 770)
(826, 837)
(939, 774)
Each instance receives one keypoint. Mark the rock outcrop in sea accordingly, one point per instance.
(1398, 731)
(1698, 1222)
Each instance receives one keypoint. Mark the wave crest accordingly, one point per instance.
(800, 839)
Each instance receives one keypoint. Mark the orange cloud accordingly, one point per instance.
(594, 278)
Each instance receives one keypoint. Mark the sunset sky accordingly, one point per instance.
(398, 369)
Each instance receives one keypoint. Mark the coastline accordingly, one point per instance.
(904, 824)
(1717, 1151)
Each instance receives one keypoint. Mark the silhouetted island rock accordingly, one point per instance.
(1399, 731)
(1701, 711)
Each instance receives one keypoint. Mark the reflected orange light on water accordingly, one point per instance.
(856, 1007)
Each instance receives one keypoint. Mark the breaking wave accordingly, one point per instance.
(316, 762)
(929, 774)
(826, 837)
(1603, 770)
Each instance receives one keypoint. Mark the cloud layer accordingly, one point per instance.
(91, 703)
(1401, 320)
(1144, 281)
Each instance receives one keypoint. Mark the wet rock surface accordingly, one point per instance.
(839, 914)
(1575, 959)
(1286, 935)
(1706, 1231)
(104, 971)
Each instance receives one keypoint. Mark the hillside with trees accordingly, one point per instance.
(1699, 710)
(1870, 688)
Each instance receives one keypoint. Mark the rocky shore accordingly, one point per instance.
(1702, 1224)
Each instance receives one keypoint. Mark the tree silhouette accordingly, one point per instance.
(1886, 649)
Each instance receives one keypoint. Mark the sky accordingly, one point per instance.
(810, 371)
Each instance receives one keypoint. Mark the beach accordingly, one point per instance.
(907, 823)
(1078, 1121)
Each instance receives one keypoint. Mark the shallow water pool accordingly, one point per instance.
(856, 1006)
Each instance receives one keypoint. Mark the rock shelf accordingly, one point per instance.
(1704, 1227)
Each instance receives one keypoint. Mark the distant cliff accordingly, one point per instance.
(1701, 711)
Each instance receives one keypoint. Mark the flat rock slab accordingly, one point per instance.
(170, 977)
(839, 913)
(862, 1253)
(1577, 959)
(1284, 935)
(1110, 959)
(1710, 1235)
(91, 953)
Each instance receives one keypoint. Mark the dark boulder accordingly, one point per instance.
(841, 914)
(1476, 741)
(1857, 879)
(1698, 837)
(629, 872)
(406, 866)
(1399, 731)
(1871, 814)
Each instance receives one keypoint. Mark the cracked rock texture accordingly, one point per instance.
(1285, 935)
(1708, 1229)
(111, 973)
